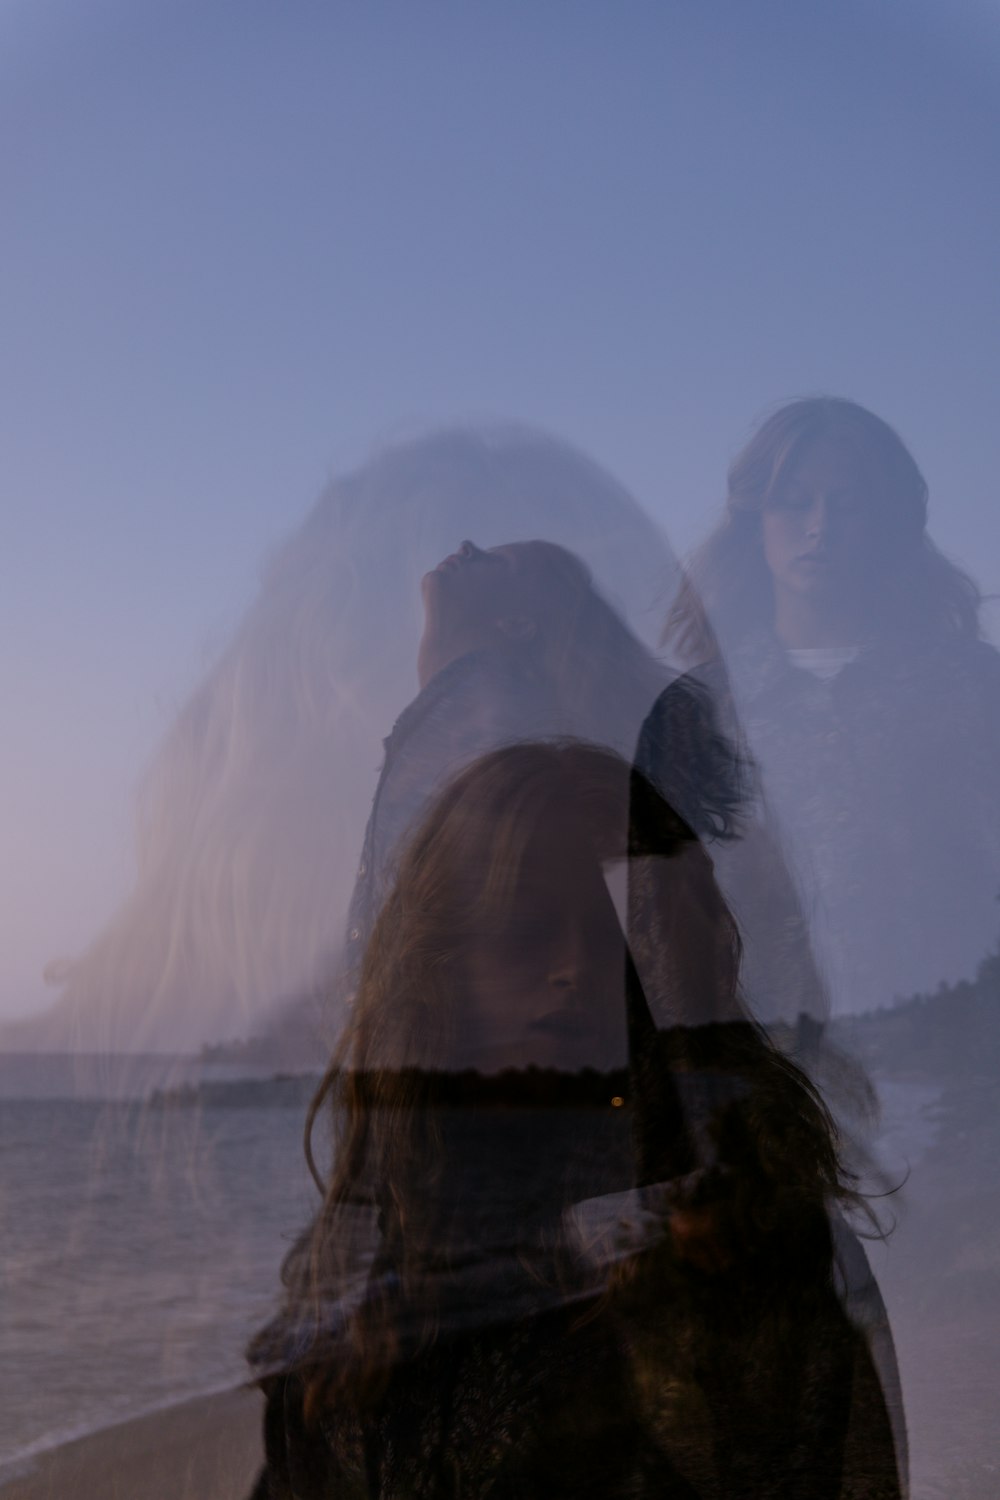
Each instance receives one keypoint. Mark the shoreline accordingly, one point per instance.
(205, 1448)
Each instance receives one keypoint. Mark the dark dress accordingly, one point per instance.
(534, 1409)
(720, 1389)
(687, 1339)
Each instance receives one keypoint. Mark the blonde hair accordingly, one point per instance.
(252, 812)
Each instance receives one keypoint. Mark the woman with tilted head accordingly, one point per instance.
(518, 644)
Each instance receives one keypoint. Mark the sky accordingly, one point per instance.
(246, 243)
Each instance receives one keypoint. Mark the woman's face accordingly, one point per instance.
(824, 527)
(477, 600)
(544, 986)
(472, 589)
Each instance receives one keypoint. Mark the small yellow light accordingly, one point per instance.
(617, 1101)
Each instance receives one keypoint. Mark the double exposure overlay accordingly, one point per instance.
(501, 987)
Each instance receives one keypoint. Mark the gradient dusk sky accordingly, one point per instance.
(246, 242)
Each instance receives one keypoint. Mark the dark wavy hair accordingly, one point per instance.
(599, 678)
(727, 589)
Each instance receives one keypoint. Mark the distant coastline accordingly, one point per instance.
(524, 1088)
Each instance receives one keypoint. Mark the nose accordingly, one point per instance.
(469, 549)
(817, 519)
(567, 958)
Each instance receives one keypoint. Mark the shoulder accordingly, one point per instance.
(952, 670)
(973, 672)
(951, 654)
(981, 662)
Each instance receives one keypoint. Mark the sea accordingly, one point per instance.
(143, 1235)
(147, 1204)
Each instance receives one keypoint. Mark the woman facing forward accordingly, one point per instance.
(858, 688)
(604, 1254)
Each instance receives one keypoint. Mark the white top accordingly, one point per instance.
(822, 661)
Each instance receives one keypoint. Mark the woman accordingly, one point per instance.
(517, 644)
(858, 687)
(604, 1254)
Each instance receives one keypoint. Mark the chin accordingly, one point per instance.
(430, 587)
(817, 584)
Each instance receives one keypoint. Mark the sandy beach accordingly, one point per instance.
(206, 1449)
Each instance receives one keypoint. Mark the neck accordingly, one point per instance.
(431, 660)
(801, 623)
(427, 666)
(434, 655)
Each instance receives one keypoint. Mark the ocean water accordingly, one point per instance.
(142, 1244)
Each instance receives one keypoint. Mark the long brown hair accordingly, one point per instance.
(727, 590)
(463, 869)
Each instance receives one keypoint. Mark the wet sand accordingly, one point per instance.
(206, 1449)
(940, 1276)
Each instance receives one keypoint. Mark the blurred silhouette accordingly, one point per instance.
(603, 1203)
(841, 656)
(253, 809)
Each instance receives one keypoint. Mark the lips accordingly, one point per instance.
(557, 1023)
